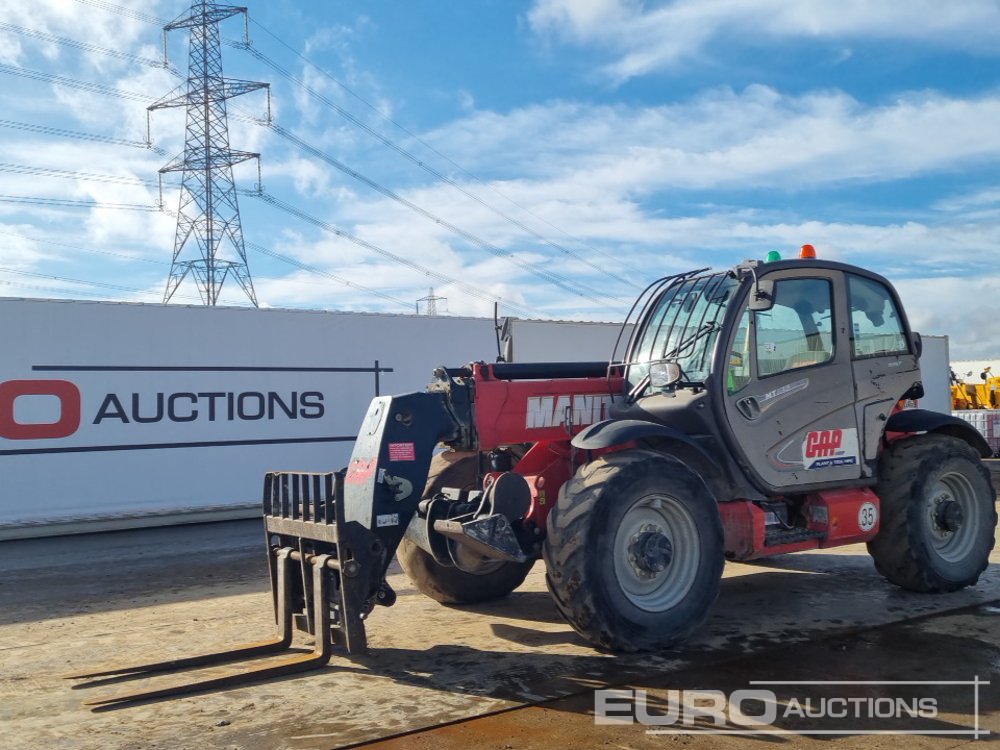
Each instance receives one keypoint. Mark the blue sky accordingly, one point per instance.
(553, 154)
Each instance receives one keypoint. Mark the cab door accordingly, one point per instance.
(885, 367)
(789, 398)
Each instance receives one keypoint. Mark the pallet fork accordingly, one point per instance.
(330, 539)
(323, 570)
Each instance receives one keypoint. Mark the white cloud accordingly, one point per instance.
(645, 37)
(625, 181)
(979, 201)
(724, 139)
(10, 48)
(20, 250)
(78, 21)
(466, 100)
(632, 185)
(348, 83)
(956, 306)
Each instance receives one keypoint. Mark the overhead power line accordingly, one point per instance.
(82, 282)
(320, 272)
(94, 88)
(409, 133)
(550, 277)
(75, 203)
(252, 245)
(72, 175)
(281, 131)
(78, 249)
(126, 12)
(73, 83)
(86, 47)
(467, 288)
(57, 290)
(563, 282)
(46, 130)
(261, 57)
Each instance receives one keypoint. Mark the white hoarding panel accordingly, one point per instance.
(120, 410)
(934, 374)
(565, 341)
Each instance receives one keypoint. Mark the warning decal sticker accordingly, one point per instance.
(360, 471)
(826, 448)
(402, 452)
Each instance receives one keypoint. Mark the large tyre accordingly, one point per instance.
(447, 584)
(938, 514)
(634, 551)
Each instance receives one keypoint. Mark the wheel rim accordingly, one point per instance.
(470, 562)
(464, 558)
(639, 575)
(952, 545)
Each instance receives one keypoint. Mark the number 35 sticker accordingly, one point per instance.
(867, 516)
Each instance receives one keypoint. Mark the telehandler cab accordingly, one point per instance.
(756, 411)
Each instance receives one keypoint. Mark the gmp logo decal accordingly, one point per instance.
(823, 449)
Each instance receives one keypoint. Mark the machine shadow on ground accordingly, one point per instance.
(755, 612)
(905, 652)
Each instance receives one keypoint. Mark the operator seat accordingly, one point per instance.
(806, 359)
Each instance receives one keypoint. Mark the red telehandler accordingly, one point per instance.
(756, 411)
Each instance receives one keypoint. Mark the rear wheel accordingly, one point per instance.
(938, 515)
(634, 551)
(448, 584)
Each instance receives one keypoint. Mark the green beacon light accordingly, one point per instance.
(773, 256)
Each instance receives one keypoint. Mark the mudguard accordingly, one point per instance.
(612, 432)
(923, 420)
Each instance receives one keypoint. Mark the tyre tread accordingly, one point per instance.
(900, 554)
(567, 550)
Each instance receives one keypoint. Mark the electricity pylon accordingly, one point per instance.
(431, 299)
(208, 211)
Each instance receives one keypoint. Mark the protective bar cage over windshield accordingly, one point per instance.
(680, 323)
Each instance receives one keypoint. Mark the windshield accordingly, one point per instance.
(681, 324)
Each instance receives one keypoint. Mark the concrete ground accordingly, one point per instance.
(510, 674)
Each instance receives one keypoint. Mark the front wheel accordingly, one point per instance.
(938, 514)
(634, 551)
(445, 583)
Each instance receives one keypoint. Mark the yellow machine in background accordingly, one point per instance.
(984, 395)
(975, 397)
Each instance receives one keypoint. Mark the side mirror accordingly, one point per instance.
(664, 374)
(762, 295)
(917, 344)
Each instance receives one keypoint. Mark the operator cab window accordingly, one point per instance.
(738, 371)
(683, 326)
(798, 330)
(876, 328)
